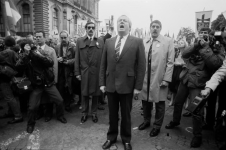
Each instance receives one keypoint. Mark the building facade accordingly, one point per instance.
(51, 16)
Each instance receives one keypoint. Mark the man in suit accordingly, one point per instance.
(160, 54)
(121, 76)
(86, 68)
(43, 75)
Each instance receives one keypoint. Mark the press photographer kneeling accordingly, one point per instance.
(201, 61)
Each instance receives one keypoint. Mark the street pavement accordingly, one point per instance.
(54, 135)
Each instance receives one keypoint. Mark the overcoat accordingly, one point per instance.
(162, 63)
(87, 64)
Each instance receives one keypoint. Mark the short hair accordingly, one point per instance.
(24, 42)
(43, 33)
(205, 29)
(157, 22)
(130, 23)
(88, 23)
(64, 31)
(10, 41)
(29, 35)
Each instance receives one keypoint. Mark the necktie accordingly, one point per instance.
(149, 70)
(117, 49)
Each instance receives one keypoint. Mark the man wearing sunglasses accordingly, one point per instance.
(86, 68)
(201, 62)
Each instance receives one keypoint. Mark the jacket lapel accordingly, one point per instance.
(112, 46)
(126, 47)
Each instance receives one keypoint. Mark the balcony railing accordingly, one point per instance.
(24, 34)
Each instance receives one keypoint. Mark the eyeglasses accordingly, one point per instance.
(91, 28)
(203, 32)
(63, 37)
(157, 27)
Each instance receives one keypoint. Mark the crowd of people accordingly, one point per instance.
(121, 68)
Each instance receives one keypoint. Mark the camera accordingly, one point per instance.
(216, 39)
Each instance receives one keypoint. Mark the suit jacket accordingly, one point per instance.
(87, 64)
(217, 77)
(126, 74)
(52, 54)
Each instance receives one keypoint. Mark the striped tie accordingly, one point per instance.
(117, 48)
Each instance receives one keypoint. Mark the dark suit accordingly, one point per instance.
(121, 78)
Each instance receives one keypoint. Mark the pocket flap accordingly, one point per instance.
(130, 73)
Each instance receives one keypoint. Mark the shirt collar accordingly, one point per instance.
(42, 47)
(124, 37)
(92, 37)
(156, 39)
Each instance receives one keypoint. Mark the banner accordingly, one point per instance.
(12, 14)
(203, 19)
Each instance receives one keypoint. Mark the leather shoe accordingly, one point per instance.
(154, 132)
(47, 119)
(196, 141)
(100, 108)
(127, 146)
(84, 118)
(95, 118)
(68, 109)
(16, 120)
(171, 125)
(187, 114)
(6, 115)
(108, 144)
(144, 125)
(30, 129)
(62, 119)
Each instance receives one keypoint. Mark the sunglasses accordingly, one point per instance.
(203, 32)
(63, 37)
(91, 28)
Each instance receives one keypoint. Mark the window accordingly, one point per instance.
(55, 18)
(26, 18)
(1, 19)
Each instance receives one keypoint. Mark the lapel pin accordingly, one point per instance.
(158, 45)
(97, 43)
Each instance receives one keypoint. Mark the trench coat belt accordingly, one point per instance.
(149, 71)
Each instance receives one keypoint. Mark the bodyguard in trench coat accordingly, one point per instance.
(87, 66)
(160, 63)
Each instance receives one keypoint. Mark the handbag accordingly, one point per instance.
(8, 71)
(22, 85)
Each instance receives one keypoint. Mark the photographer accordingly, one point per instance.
(201, 61)
(43, 75)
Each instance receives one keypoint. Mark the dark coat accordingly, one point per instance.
(87, 64)
(65, 72)
(126, 74)
(201, 63)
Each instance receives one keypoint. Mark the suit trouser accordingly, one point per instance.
(211, 108)
(182, 94)
(159, 113)
(35, 98)
(13, 103)
(125, 102)
(86, 105)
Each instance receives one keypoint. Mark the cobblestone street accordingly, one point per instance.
(90, 136)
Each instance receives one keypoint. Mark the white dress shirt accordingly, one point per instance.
(123, 40)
